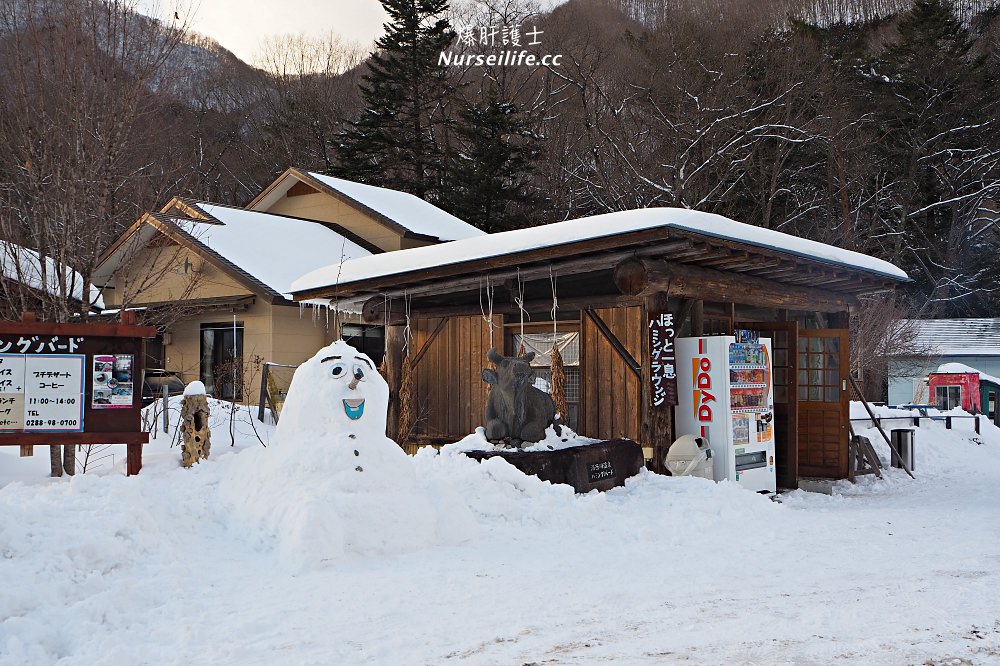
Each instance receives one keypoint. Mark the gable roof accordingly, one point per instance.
(408, 215)
(563, 239)
(263, 252)
(957, 337)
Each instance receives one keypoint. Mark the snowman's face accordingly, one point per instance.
(338, 390)
(353, 371)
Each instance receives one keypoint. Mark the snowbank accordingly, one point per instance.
(169, 568)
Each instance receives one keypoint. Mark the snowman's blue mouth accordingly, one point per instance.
(354, 408)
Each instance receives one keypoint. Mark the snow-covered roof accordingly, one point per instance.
(406, 210)
(587, 228)
(24, 265)
(272, 249)
(961, 368)
(957, 337)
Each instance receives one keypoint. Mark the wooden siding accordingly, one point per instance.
(450, 392)
(611, 397)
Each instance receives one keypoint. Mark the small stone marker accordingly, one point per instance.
(195, 432)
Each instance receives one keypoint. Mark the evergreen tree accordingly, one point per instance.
(491, 170)
(398, 140)
(932, 97)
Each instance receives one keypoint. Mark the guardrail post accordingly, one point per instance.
(916, 421)
(947, 422)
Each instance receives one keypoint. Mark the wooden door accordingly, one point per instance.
(823, 364)
(611, 393)
(784, 345)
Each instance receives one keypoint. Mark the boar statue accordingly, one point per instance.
(516, 411)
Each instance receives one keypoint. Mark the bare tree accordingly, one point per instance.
(81, 123)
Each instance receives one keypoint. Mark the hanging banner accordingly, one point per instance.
(663, 359)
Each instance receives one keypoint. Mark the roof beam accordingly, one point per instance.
(644, 277)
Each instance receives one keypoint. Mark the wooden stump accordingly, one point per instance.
(196, 435)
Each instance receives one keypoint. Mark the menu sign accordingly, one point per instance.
(41, 392)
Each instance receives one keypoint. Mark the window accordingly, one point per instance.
(819, 369)
(222, 360)
(368, 340)
(948, 397)
(569, 348)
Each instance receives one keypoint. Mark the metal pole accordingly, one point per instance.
(166, 410)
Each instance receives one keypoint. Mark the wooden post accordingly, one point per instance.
(55, 460)
(656, 424)
(393, 376)
(916, 421)
(133, 461)
(947, 423)
(698, 318)
(69, 459)
(27, 450)
(977, 424)
(263, 395)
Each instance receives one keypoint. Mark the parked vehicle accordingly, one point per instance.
(154, 379)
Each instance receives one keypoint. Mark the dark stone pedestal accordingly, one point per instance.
(600, 466)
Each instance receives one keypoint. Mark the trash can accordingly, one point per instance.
(902, 440)
(691, 456)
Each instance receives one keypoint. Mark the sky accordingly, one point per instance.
(241, 25)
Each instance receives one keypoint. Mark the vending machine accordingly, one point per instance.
(724, 394)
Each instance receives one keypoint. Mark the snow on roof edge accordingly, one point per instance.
(961, 368)
(499, 245)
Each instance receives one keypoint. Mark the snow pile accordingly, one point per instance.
(334, 483)
(567, 438)
(194, 388)
(170, 568)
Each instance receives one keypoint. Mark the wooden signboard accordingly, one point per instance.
(663, 359)
(72, 384)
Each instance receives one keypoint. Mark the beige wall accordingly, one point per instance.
(330, 209)
(271, 333)
(156, 275)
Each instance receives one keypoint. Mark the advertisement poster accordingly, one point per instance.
(112, 381)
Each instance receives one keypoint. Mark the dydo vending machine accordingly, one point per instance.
(725, 395)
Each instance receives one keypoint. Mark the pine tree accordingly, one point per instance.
(398, 141)
(491, 170)
(932, 98)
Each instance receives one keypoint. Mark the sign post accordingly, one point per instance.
(72, 384)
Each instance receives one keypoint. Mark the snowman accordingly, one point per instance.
(359, 487)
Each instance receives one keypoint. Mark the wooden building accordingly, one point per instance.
(592, 285)
(216, 278)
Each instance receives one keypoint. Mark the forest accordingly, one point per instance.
(867, 124)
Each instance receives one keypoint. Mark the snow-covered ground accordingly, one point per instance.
(163, 569)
